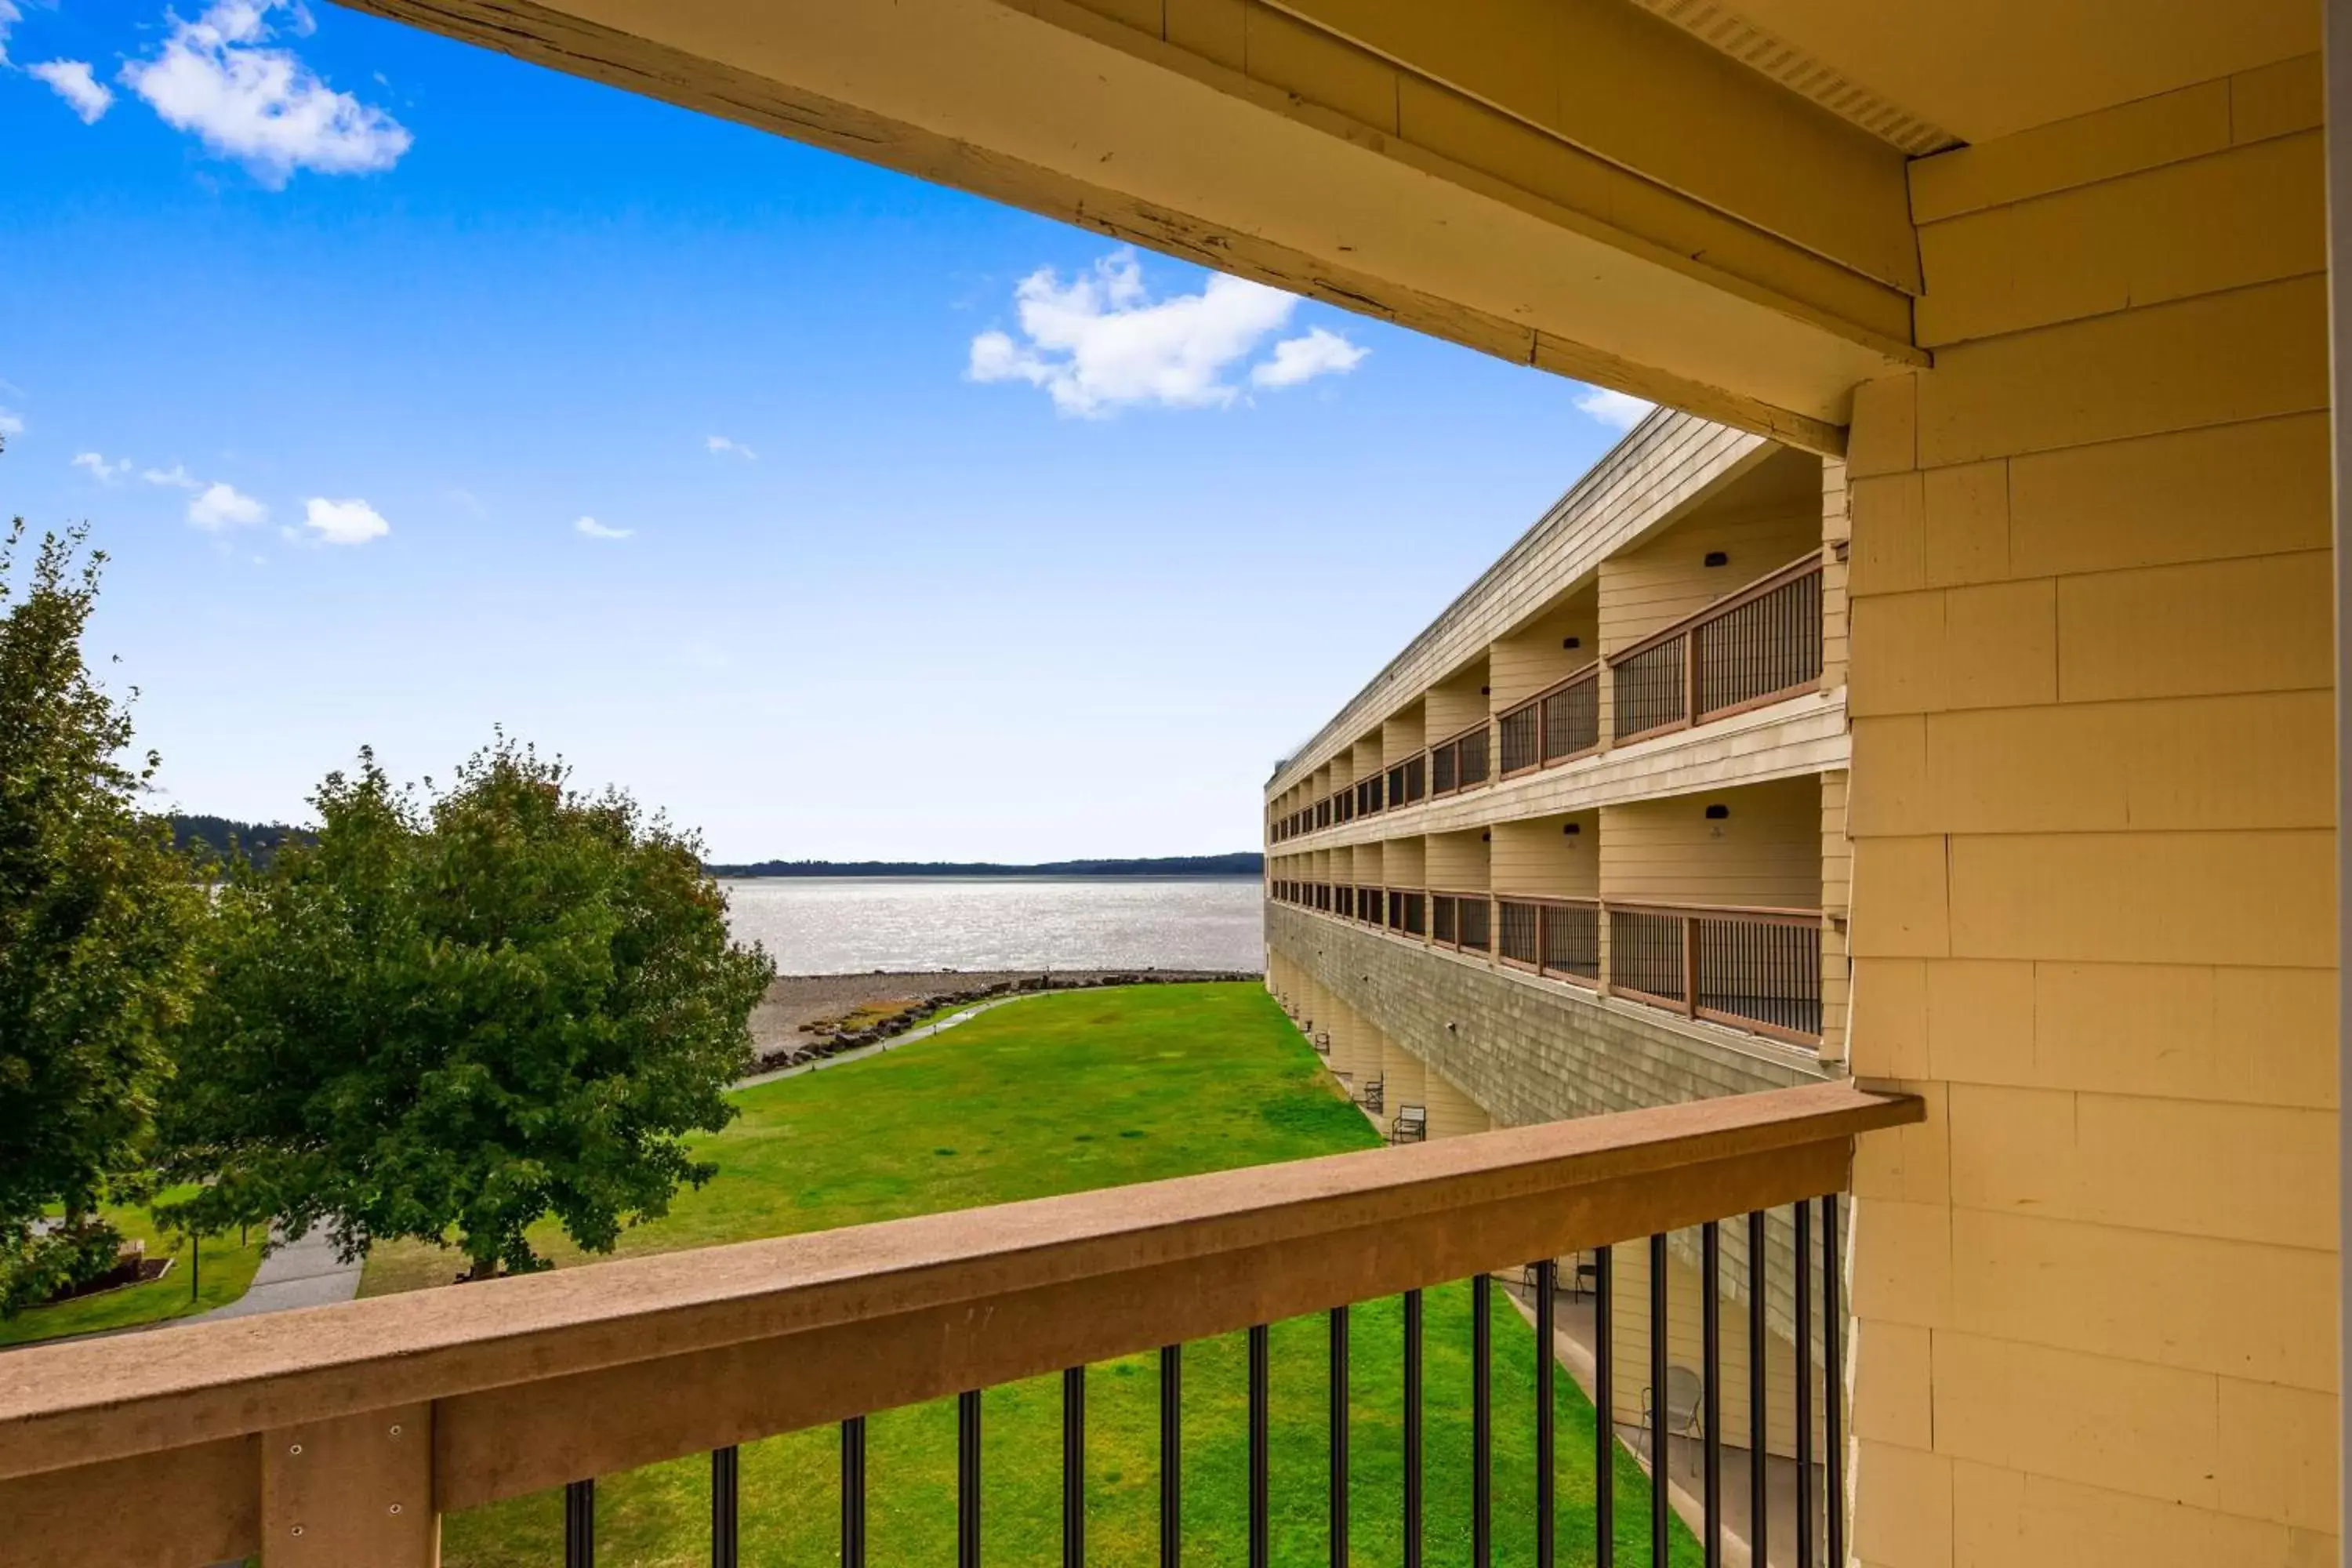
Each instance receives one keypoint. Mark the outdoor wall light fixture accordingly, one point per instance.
(1571, 642)
(1717, 813)
(1572, 828)
(1717, 558)
(1485, 691)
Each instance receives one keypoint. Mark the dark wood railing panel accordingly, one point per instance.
(1758, 645)
(1571, 941)
(1518, 739)
(543, 1379)
(1517, 939)
(1652, 691)
(1762, 649)
(1646, 954)
(1572, 718)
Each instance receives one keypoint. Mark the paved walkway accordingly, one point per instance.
(304, 1273)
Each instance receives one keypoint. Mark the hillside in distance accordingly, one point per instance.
(211, 838)
(1247, 863)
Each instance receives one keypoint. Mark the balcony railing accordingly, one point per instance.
(1759, 969)
(1756, 645)
(1558, 724)
(1756, 969)
(1460, 763)
(339, 1436)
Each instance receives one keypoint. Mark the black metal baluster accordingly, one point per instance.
(1805, 1385)
(725, 1542)
(1711, 1354)
(1547, 1283)
(1760, 1450)
(1339, 1419)
(1260, 1438)
(1074, 1468)
(579, 1525)
(1481, 1421)
(968, 1479)
(1171, 1456)
(1412, 1430)
(1832, 1381)
(853, 1493)
(1604, 1406)
(1660, 1512)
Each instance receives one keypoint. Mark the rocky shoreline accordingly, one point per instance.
(801, 1017)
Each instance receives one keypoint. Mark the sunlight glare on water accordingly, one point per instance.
(846, 925)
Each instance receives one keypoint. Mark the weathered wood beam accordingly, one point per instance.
(1239, 136)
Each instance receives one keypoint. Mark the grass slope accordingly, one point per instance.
(1056, 1094)
(227, 1270)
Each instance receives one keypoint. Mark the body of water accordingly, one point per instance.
(846, 925)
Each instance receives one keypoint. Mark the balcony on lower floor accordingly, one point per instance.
(341, 1435)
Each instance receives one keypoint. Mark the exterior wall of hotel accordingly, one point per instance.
(2092, 816)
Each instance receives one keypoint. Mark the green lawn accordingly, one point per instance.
(227, 1269)
(1055, 1094)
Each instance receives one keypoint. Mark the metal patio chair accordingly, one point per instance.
(1684, 1390)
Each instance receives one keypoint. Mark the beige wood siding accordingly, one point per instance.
(1452, 1113)
(2093, 817)
(1537, 856)
(1669, 463)
(1761, 523)
(1457, 703)
(1767, 852)
(1405, 863)
(1456, 861)
(1404, 734)
(1533, 655)
(1403, 1079)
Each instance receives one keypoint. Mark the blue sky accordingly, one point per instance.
(336, 332)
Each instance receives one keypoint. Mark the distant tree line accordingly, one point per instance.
(211, 839)
(1245, 864)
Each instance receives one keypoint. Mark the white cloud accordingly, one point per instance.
(1099, 343)
(1319, 352)
(343, 522)
(721, 444)
(588, 526)
(223, 505)
(9, 17)
(71, 80)
(1617, 410)
(11, 424)
(175, 478)
(262, 106)
(102, 470)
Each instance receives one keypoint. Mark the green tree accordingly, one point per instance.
(454, 1015)
(97, 919)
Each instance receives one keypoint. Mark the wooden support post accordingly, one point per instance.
(1690, 967)
(354, 1492)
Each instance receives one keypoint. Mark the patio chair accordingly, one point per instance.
(1684, 1390)
(1410, 1125)
(1373, 1088)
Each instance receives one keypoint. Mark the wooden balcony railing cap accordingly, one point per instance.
(1743, 911)
(1589, 671)
(1376, 1220)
